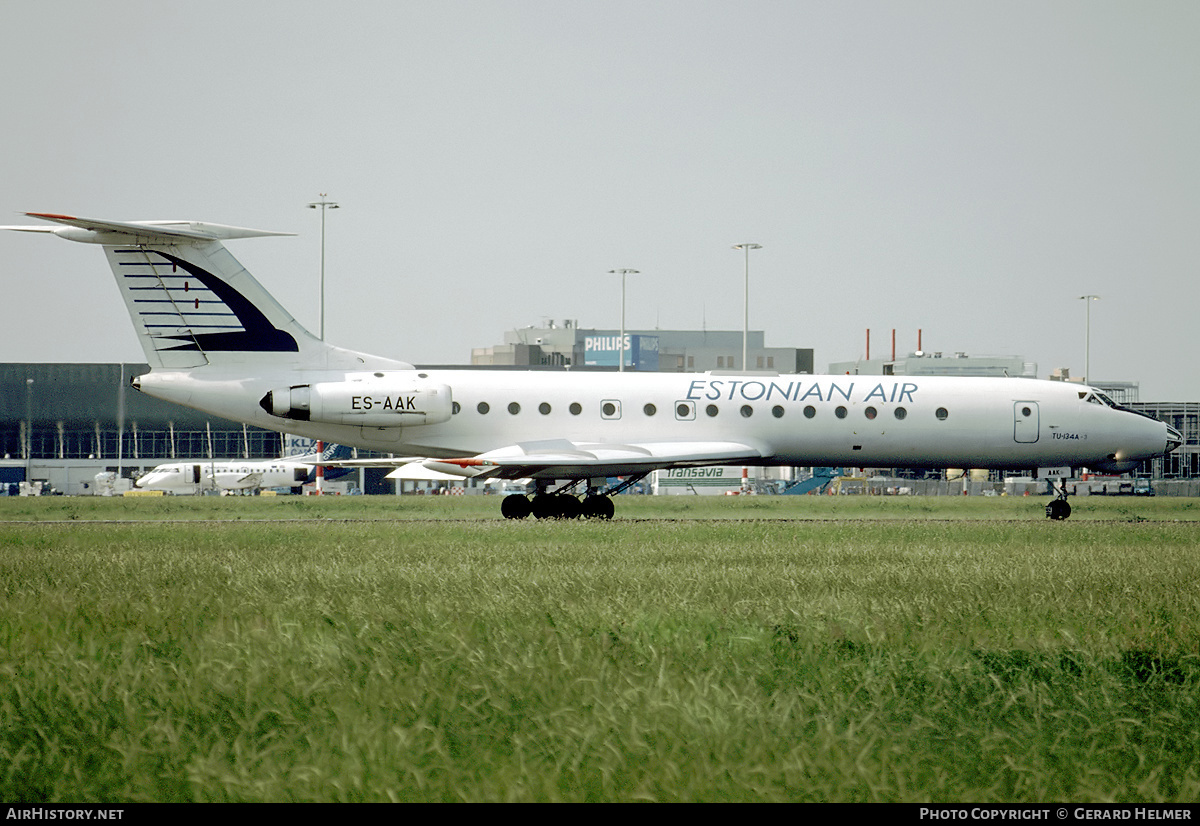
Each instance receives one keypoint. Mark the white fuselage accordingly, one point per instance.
(803, 420)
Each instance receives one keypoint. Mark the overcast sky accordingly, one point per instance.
(964, 168)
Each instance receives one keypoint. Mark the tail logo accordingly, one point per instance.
(172, 304)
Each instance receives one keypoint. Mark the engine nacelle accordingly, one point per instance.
(374, 403)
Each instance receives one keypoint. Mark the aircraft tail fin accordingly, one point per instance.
(336, 453)
(330, 452)
(191, 302)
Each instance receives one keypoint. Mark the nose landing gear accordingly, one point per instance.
(1058, 508)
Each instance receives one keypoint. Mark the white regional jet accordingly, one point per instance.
(218, 342)
(237, 474)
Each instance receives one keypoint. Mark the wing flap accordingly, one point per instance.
(564, 459)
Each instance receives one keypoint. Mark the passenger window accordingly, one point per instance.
(871, 412)
(711, 410)
(747, 411)
(649, 410)
(840, 412)
(544, 408)
(610, 409)
(576, 408)
(809, 411)
(942, 414)
(482, 407)
(777, 411)
(685, 411)
(514, 408)
(900, 412)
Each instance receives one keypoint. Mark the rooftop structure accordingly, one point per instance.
(665, 351)
(936, 364)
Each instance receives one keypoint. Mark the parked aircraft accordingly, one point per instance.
(218, 342)
(248, 475)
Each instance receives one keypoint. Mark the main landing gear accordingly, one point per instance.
(561, 504)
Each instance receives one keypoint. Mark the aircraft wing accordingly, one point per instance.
(564, 459)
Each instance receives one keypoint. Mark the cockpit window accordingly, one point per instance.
(1096, 397)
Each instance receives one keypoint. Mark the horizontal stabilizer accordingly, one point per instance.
(96, 231)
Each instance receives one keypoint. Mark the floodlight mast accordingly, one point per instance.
(1087, 337)
(746, 307)
(622, 273)
(323, 205)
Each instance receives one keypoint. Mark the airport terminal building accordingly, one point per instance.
(64, 423)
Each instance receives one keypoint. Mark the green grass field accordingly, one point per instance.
(759, 649)
(358, 508)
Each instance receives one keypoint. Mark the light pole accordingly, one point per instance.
(1087, 337)
(621, 357)
(746, 313)
(323, 205)
(28, 434)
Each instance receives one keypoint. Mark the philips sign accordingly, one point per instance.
(641, 352)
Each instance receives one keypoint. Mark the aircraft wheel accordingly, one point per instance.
(545, 506)
(515, 506)
(568, 506)
(598, 507)
(1058, 509)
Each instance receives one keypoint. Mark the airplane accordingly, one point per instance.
(241, 475)
(218, 342)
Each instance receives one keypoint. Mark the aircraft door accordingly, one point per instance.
(195, 474)
(1026, 422)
